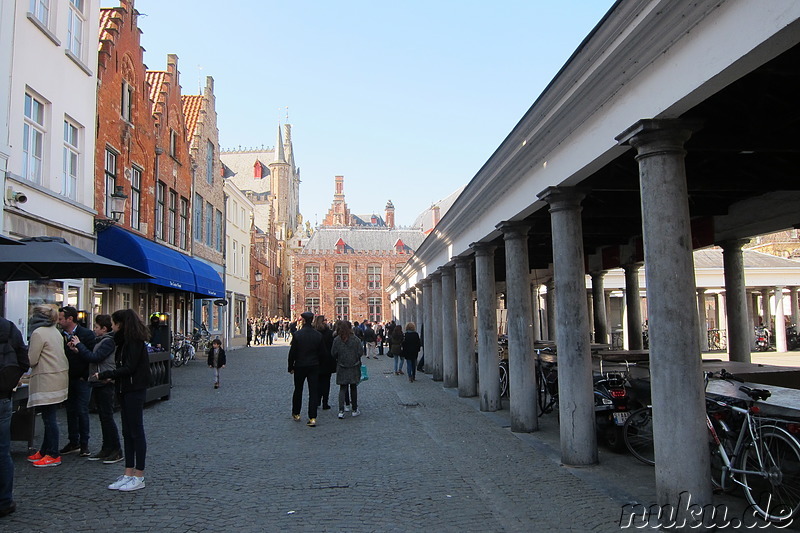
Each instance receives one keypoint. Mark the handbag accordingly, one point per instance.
(364, 373)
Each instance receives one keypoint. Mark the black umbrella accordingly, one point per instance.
(54, 258)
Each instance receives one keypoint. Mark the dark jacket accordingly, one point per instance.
(328, 365)
(78, 366)
(220, 358)
(348, 360)
(307, 348)
(411, 345)
(100, 358)
(9, 375)
(395, 344)
(369, 335)
(133, 365)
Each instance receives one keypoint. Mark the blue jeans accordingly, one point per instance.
(104, 401)
(411, 367)
(398, 363)
(132, 404)
(78, 411)
(6, 464)
(50, 435)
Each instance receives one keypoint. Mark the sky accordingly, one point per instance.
(405, 99)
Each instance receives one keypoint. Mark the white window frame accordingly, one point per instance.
(34, 136)
(374, 277)
(110, 173)
(312, 305)
(183, 243)
(342, 308)
(75, 25)
(136, 197)
(210, 162)
(172, 216)
(41, 10)
(312, 276)
(341, 277)
(233, 254)
(161, 193)
(173, 143)
(197, 220)
(126, 101)
(71, 160)
(375, 308)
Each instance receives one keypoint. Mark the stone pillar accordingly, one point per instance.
(779, 327)
(633, 306)
(752, 313)
(437, 321)
(467, 376)
(599, 308)
(680, 433)
(766, 312)
(535, 315)
(449, 317)
(702, 326)
(488, 364)
(521, 363)
(427, 313)
(575, 388)
(412, 306)
(794, 308)
(740, 329)
(550, 302)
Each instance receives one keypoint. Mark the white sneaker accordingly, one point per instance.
(121, 480)
(347, 408)
(356, 412)
(341, 414)
(134, 483)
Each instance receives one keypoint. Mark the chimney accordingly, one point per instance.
(390, 214)
(436, 215)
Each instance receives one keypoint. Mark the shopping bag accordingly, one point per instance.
(364, 374)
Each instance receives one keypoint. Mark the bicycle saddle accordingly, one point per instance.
(756, 394)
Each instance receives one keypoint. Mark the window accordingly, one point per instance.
(70, 185)
(111, 178)
(210, 162)
(312, 304)
(33, 139)
(209, 224)
(172, 218)
(218, 230)
(75, 28)
(126, 100)
(136, 197)
(197, 221)
(374, 277)
(341, 275)
(183, 224)
(234, 256)
(342, 308)
(41, 10)
(243, 252)
(173, 143)
(242, 219)
(312, 276)
(374, 304)
(160, 193)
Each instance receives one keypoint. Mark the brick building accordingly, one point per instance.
(344, 267)
(142, 152)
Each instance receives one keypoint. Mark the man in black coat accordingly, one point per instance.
(306, 353)
(80, 393)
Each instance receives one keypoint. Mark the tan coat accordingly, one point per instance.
(49, 367)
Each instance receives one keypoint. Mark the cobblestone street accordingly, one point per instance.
(418, 459)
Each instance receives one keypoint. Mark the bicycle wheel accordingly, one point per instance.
(775, 493)
(638, 435)
(504, 379)
(176, 358)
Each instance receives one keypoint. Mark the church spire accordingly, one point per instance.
(280, 157)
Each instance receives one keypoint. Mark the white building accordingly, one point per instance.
(239, 212)
(48, 51)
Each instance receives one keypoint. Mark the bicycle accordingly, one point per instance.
(763, 458)
(546, 382)
(182, 351)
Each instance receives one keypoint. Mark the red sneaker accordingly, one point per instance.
(35, 457)
(47, 461)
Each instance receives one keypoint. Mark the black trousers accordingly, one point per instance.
(324, 388)
(302, 374)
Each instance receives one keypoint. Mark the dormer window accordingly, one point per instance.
(257, 170)
(400, 247)
(340, 246)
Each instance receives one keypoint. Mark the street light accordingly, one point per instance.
(117, 205)
(259, 276)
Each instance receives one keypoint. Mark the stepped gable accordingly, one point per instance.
(157, 79)
(364, 239)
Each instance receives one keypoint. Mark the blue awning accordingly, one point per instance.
(169, 267)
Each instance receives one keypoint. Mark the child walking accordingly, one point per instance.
(216, 359)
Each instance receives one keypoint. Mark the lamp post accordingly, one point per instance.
(117, 204)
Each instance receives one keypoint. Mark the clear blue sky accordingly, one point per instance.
(406, 100)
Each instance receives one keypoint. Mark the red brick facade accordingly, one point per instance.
(318, 284)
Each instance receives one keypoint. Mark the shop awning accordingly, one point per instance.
(168, 267)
